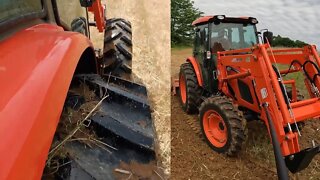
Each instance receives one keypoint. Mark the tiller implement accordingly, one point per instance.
(232, 78)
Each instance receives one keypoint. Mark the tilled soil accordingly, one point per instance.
(192, 158)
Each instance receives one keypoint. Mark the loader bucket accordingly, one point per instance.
(302, 159)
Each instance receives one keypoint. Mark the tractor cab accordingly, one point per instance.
(220, 33)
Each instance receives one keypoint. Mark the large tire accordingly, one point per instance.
(117, 50)
(223, 125)
(190, 91)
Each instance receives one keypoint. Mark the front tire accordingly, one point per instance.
(223, 125)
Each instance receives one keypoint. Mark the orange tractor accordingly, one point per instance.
(232, 78)
(45, 51)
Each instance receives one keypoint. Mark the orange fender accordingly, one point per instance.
(197, 69)
(36, 68)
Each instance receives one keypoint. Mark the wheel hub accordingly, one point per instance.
(215, 128)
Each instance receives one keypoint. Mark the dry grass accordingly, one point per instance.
(73, 127)
(151, 59)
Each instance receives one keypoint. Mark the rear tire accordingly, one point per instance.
(117, 50)
(190, 91)
(223, 125)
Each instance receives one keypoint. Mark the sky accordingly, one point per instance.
(296, 19)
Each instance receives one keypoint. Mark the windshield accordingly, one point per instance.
(12, 9)
(228, 36)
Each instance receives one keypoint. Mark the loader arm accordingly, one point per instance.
(37, 65)
(255, 71)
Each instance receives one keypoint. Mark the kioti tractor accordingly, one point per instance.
(234, 76)
(45, 51)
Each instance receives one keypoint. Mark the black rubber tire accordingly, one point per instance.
(193, 90)
(234, 121)
(117, 49)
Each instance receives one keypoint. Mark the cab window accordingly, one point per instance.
(228, 36)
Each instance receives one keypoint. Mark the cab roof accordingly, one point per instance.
(206, 19)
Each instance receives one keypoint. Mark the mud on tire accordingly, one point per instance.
(223, 125)
(117, 50)
(190, 91)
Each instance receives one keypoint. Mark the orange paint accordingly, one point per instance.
(215, 128)
(98, 12)
(36, 67)
(183, 88)
(197, 69)
(258, 61)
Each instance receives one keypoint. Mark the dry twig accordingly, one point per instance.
(73, 132)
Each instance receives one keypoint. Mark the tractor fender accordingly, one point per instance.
(197, 69)
(36, 68)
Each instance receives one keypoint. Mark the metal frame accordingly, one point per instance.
(256, 65)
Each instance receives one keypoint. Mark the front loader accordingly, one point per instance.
(46, 56)
(234, 76)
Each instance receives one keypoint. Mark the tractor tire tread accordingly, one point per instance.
(117, 52)
(235, 120)
(193, 89)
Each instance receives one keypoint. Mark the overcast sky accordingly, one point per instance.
(296, 19)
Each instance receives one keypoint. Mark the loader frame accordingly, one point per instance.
(254, 68)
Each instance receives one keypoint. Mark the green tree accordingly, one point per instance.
(183, 13)
(279, 41)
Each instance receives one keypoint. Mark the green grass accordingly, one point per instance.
(299, 80)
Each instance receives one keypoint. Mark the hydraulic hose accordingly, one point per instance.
(280, 163)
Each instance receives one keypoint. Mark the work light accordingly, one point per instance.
(254, 21)
(220, 17)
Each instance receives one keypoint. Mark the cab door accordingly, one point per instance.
(201, 46)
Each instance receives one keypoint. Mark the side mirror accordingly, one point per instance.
(268, 37)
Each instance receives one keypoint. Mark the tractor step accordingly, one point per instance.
(126, 111)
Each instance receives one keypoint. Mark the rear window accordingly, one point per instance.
(10, 9)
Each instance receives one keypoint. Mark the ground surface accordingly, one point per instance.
(192, 159)
(151, 58)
